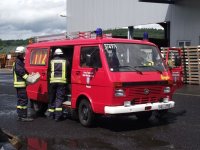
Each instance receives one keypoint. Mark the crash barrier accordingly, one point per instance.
(190, 63)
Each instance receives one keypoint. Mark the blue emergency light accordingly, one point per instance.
(145, 36)
(99, 32)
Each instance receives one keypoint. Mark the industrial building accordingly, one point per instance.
(179, 18)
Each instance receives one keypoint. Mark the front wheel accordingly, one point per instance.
(85, 113)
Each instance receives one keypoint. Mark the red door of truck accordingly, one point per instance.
(89, 79)
(173, 61)
(37, 61)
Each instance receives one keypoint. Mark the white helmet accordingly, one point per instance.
(20, 49)
(58, 51)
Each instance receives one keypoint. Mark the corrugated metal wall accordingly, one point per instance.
(184, 16)
(87, 15)
(185, 22)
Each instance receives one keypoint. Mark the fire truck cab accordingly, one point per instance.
(107, 76)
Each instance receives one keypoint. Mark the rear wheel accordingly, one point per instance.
(85, 113)
(144, 116)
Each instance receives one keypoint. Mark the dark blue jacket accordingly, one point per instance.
(20, 74)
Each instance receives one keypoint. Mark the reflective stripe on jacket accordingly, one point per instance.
(58, 70)
(58, 109)
(21, 107)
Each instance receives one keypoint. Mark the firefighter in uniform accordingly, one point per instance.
(58, 85)
(20, 76)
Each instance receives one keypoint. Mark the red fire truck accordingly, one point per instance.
(107, 76)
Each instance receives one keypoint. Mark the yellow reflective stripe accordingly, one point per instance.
(63, 70)
(22, 107)
(52, 69)
(19, 84)
(25, 76)
(58, 109)
(51, 110)
(15, 77)
(57, 80)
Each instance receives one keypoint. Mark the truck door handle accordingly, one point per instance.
(78, 72)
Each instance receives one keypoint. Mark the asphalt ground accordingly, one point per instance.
(179, 130)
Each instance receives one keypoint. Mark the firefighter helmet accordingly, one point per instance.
(20, 49)
(58, 51)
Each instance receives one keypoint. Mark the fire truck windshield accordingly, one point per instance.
(125, 57)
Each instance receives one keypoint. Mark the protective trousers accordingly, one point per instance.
(57, 92)
(22, 102)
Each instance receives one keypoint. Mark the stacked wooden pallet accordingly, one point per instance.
(2, 60)
(192, 64)
(9, 62)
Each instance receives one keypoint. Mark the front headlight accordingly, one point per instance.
(167, 90)
(119, 92)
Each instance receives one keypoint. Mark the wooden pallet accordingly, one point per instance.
(9, 62)
(2, 60)
(192, 65)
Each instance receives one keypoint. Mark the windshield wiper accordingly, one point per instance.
(150, 67)
(131, 68)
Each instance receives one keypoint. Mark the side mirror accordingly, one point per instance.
(177, 61)
(88, 60)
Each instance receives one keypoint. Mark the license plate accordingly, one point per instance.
(163, 106)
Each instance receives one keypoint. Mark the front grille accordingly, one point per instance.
(140, 96)
(140, 91)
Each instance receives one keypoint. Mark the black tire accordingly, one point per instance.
(85, 113)
(144, 116)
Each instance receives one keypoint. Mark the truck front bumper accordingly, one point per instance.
(138, 108)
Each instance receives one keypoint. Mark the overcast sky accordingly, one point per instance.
(21, 19)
